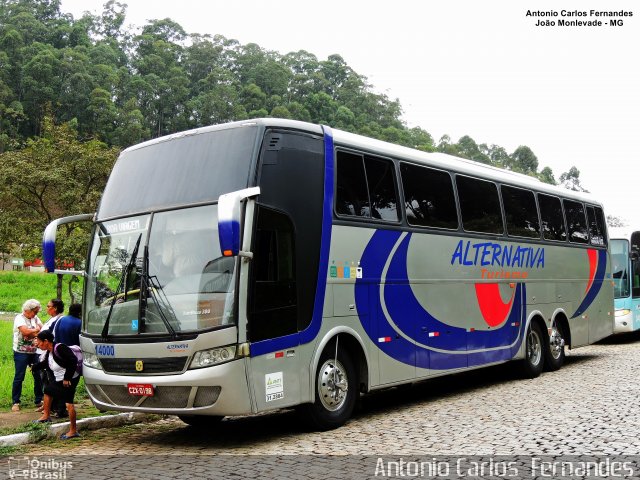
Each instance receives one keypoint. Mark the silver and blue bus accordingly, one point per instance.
(263, 264)
(625, 260)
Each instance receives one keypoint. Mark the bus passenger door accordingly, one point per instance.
(273, 310)
(635, 291)
(283, 272)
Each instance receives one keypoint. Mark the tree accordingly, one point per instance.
(497, 154)
(468, 148)
(54, 176)
(613, 221)
(445, 146)
(523, 160)
(546, 176)
(421, 140)
(571, 180)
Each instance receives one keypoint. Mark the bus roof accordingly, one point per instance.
(379, 147)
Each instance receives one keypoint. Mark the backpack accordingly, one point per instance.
(77, 352)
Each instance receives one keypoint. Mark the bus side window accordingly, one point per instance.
(366, 187)
(352, 197)
(552, 218)
(479, 205)
(273, 302)
(521, 212)
(576, 222)
(428, 197)
(597, 227)
(382, 189)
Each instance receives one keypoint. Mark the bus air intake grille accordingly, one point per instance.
(206, 396)
(96, 393)
(163, 397)
(150, 366)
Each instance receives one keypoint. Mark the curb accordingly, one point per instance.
(91, 423)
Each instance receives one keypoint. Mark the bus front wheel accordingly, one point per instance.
(336, 390)
(534, 352)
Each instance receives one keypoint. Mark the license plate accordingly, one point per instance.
(140, 389)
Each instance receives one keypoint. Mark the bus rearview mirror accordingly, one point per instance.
(229, 217)
(49, 240)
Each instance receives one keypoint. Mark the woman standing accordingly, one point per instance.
(25, 328)
(62, 364)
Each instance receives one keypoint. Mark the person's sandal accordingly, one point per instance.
(46, 420)
(64, 436)
(15, 407)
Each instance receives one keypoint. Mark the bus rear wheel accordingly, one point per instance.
(201, 421)
(336, 390)
(534, 352)
(554, 355)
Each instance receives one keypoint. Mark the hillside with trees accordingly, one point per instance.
(74, 92)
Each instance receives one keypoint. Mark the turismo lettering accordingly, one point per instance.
(495, 255)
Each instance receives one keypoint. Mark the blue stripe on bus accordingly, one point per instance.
(408, 315)
(310, 333)
(595, 287)
(405, 310)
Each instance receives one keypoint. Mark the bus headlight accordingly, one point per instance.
(91, 360)
(623, 312)
(213, 356)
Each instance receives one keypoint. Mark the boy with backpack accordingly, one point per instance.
(63, 364)
(55, 308)
(66, 330)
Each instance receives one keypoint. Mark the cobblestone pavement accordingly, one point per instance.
(589, 407)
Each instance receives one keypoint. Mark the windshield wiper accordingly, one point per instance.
(151, 284)
(123, 282)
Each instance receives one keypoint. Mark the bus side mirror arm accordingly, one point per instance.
(229, 218)
(246, 256)
(49, 242)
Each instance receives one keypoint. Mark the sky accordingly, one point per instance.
(466, 67)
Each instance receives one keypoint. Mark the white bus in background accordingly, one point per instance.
(625, 259)
(270, 263)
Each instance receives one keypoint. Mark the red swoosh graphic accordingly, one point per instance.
(493, 309)
(593, 264)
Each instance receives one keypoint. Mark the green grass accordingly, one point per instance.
(16, 287)
(7, 371)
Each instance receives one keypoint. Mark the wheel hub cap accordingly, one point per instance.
(332, 385)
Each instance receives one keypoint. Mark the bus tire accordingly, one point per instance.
(336, 391)
(554, 353)
(201, 421)
(534, 352)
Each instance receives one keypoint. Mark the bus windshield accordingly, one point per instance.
(188, 170)
(160, 274)
(620, 268)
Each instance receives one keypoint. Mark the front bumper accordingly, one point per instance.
(623, 323)
(218, 390)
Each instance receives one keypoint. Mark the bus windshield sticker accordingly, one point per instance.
(274, 386)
